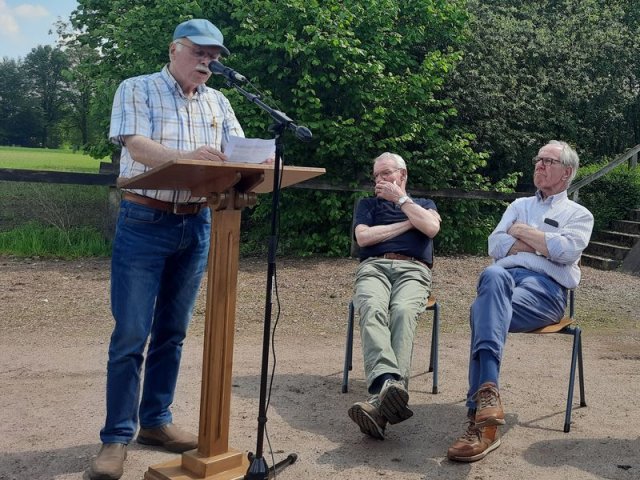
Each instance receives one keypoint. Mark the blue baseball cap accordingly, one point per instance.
(201, 32)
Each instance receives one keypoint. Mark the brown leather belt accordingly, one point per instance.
(175, 208)
(399, 256)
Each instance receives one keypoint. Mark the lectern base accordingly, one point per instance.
(232, 465)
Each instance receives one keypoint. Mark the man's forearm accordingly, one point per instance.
(149, 152)
(425, 220)
(530, 236)
(366, 236)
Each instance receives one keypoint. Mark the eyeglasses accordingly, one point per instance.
(384, 173)
(200, 53)
(546, 161)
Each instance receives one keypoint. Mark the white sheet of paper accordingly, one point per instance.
(249, 150)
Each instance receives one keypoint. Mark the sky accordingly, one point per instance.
(25, 24)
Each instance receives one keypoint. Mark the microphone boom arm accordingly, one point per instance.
(281, 118)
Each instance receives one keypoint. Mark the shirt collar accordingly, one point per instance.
(552, 199)
(166, 74)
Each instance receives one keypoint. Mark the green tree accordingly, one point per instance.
(19, 119)
(365, 77)
(80, 87)
(533, 71)
(43, 69)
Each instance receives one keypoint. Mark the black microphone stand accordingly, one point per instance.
(258, 469)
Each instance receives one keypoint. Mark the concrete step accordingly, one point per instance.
(617, 238)
(599, 262)
(626, 226)
(607, 250)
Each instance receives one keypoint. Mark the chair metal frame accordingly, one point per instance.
(566, 326)
(432, 305)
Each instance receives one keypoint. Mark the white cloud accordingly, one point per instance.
(8, 24)
(30, 11)
(10, 17)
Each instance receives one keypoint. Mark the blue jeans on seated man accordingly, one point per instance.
(509, 300)
(157, 265)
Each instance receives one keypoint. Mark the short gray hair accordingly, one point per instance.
(400, 163)
(568, 157)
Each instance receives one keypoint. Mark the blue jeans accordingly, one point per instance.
(509, 300)
(157, 265)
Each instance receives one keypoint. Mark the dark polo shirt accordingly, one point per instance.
(375, 211)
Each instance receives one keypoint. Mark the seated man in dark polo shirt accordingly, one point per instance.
(392, 285)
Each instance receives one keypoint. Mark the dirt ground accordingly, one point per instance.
(55, 324)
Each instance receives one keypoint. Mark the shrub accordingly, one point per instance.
(610, 197)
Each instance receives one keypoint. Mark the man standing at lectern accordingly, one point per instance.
(161, 243)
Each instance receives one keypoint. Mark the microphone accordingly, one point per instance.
(219, 69)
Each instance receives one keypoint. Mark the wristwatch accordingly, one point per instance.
(403, 199)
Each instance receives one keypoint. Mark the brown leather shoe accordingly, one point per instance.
(109, 464)
(488, 406)
(475, 443)
(168, 436)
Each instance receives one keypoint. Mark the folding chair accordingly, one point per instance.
(566, 326)
(432, 305)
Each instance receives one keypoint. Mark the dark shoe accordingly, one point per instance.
(168, 436)
(475, 443)
(109, 464)
(393, 402)
(367, 416)
(488, 406)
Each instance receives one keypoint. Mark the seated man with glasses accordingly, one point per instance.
(392, 285)
(536, 249)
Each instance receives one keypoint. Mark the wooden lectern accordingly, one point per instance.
(228, 187)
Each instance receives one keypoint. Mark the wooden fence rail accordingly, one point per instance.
(109, 179)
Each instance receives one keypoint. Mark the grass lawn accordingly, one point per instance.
(47, 159)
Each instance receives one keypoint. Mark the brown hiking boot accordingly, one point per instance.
(168, 436)
(367, 416)
(475, 443)
(488, 406)
(109, 464)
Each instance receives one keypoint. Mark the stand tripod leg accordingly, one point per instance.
(258, 469)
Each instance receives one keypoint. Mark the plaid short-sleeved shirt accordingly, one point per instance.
(155, 107)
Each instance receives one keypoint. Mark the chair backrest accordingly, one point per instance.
(355, 248)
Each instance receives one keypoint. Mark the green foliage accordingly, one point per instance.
(365, 77)
(551, 69)
(310, 222)
(610, 197)
(43, 67)
(35, 240)
(20, 119)
(466, 225)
